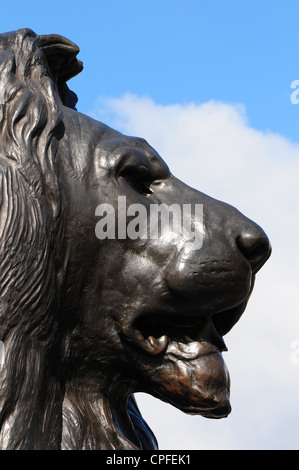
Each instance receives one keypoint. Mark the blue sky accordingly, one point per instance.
(173, 51)
(207, 83)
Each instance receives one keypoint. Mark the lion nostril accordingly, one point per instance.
(255, 246)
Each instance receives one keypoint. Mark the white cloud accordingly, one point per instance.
(213, 148)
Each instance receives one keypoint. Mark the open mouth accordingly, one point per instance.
(183, 336)
(188, 370)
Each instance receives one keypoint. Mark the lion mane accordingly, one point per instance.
(31, 273)
(33, 325)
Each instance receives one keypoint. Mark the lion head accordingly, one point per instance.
(88, 320)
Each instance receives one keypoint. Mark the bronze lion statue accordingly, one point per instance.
(86, 321)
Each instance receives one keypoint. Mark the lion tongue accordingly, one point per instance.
(191, 350)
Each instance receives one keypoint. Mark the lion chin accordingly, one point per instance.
(195, 379)
(87, 319)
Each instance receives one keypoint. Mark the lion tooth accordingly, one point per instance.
(155, 345)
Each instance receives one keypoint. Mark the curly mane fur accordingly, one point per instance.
(34, 411)
(31, 124)
(30, 116)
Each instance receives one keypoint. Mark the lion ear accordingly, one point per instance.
(61, 55)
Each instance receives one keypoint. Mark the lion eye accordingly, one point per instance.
(138, 178)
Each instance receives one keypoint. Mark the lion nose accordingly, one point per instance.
(255, 246)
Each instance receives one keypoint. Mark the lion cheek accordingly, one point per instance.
(200, 386)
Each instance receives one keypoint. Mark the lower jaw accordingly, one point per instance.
(208, 409)
(218, 413)
(198, 386)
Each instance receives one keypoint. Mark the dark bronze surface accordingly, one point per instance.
(88, 322)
